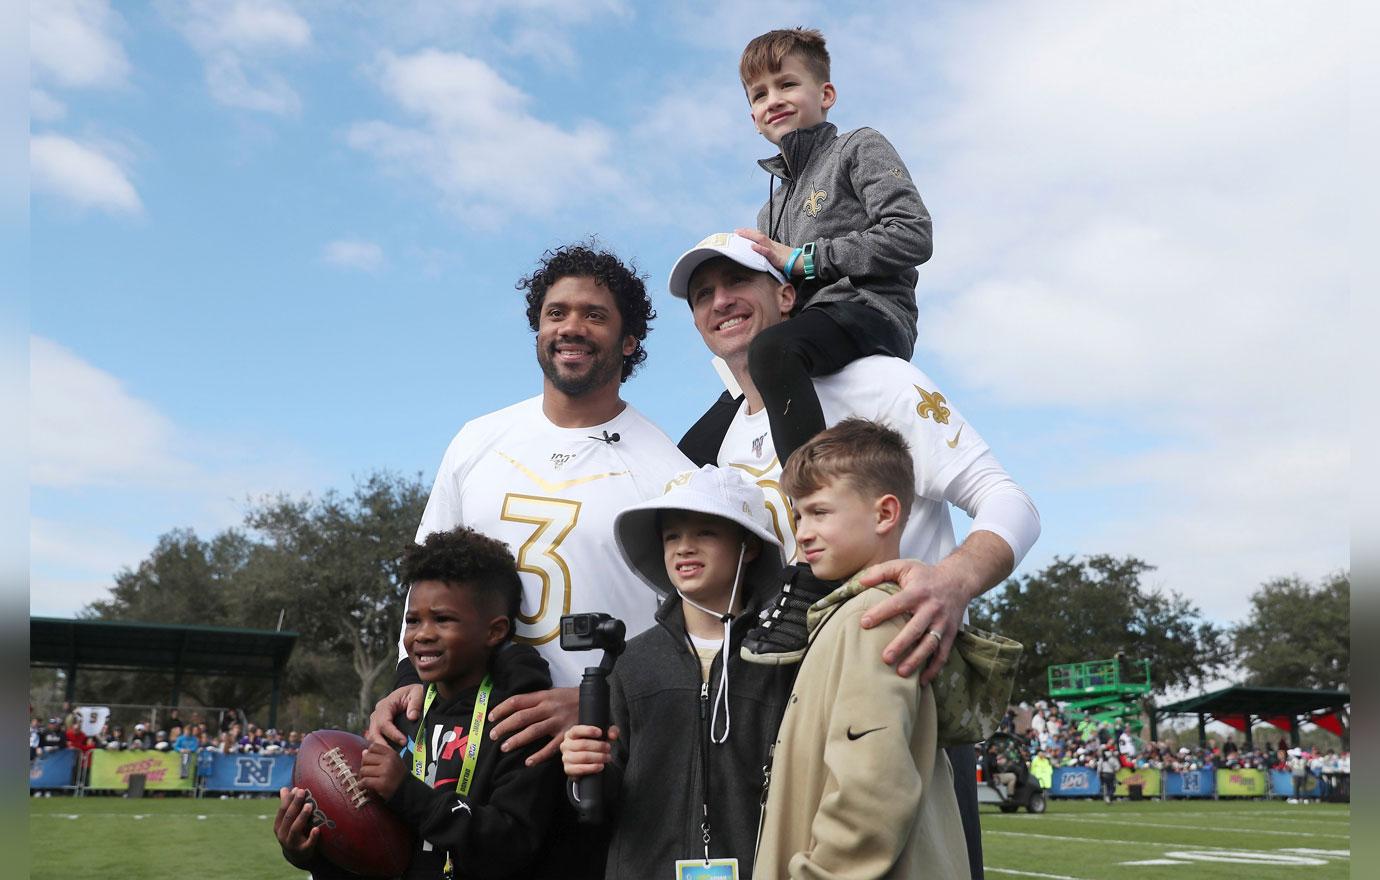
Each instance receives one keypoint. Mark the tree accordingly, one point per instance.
(328, 565)
(334, 566)
(1089, 609)
(1298, 635)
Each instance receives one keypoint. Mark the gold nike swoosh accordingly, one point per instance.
(547, 486)
(953, 444)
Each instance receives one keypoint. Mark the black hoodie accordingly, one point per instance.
(499, 829)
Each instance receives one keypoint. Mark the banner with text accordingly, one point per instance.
(163, 771)
(1241, 783)
(1147, 778)
(1193, 784)
(248, 772)
(1075, 782)
(1282, 785)
(54, 769)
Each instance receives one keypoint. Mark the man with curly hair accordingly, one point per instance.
(547, 475)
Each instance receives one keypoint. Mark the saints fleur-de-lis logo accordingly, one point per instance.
(813, 203)
(931, 405)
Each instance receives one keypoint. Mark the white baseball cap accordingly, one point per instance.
(720, 244)
(722, 492)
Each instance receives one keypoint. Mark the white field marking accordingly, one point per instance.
(1325, 853)
(1274, 815)
(1155, 862)
(1028, 873)
(1245, 857)
(1217, 828)
(1178, 844)
(146, 816)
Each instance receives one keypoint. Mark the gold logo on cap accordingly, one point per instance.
(718, 239)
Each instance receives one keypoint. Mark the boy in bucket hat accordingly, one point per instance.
(681, 696)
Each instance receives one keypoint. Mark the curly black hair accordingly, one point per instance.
(629, 290)
(464, 556)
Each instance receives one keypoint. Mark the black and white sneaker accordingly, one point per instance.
(781, 636)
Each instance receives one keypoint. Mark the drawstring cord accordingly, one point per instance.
(721, 698)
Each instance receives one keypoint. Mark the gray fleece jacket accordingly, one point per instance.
(852, 196)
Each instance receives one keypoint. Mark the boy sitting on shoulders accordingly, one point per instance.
(476, 812)
(859, 785)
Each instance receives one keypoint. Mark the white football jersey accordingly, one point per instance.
(551, 494)
(893, 392)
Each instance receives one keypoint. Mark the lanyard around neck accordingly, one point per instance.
(476, 736)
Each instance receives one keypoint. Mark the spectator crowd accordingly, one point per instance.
(1048, 736)
(228, 734)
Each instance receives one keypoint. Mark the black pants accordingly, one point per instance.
(964, 762)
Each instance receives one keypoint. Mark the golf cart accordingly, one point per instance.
(1002, 753)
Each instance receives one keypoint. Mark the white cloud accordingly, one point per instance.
(237, 40)
(81, 174)
(72, 44)
(88, 430)
(43, 107)
(353, 254)
(1140, 219)
(476, 142)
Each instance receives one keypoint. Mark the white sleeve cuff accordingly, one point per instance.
(997, 505)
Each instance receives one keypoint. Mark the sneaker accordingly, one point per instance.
(781, 637)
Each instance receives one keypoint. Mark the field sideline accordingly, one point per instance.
(176, 838)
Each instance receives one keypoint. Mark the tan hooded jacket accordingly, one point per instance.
(859, 785)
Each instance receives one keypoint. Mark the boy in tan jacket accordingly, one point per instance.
(858, 784)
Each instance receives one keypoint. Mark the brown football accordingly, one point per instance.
(358, 833)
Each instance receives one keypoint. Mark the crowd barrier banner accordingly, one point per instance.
(162, 770)
(249, 772)
(1075, 782)
(1193, 784)
(1282, 785)
(1241, 783)
(1148, 778)
(54, 769)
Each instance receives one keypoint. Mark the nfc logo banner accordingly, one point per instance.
(253, 772)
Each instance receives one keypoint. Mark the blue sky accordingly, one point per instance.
(273, 248)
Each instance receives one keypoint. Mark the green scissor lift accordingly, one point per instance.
(1107, 689)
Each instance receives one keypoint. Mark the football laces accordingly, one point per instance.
(334, 761)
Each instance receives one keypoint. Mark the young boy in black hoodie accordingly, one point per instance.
(476, 812)
(683, 764)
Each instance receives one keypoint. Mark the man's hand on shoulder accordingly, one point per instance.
(408, 699)
(935, 597)
(525, 718)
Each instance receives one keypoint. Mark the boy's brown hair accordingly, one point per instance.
(765, 53)
(874, 459)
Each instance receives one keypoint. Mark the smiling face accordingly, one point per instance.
(839, 532)
(448, 636)
(732, 304)
(580, 341)
(788, 99)
(701, 556)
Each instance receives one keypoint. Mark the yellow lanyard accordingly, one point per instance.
(476, 737)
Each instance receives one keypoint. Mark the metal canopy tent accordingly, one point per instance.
(116, 645)
(1256, 703)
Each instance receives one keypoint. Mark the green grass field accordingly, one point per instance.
(177, 838)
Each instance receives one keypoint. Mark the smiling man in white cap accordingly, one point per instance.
(734, 294)
(681, 696)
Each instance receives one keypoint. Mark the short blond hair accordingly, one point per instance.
(873, 458)
(766, 53)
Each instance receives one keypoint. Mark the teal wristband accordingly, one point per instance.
(790, 263)
(808, 253)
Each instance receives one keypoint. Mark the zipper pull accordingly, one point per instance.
(766, 774)
(704, 698)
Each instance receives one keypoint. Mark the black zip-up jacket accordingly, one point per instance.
(656, 781)
(499, 829)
